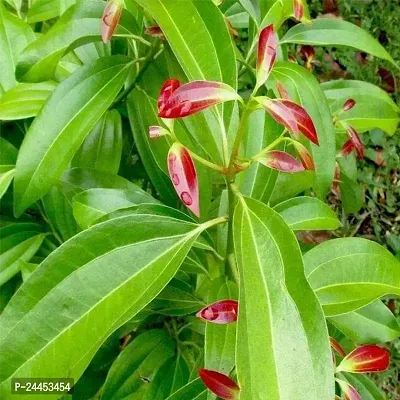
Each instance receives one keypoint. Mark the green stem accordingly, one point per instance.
(273, 145)
(208, 164)
(147, 61)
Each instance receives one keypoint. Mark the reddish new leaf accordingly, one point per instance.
(298, 9)
(184, 177)
(347, 148)
(267, 47)
(350, 393)
(357, 143)
(282, 91)
(110, 19)
(367, 358)
(220, 384)
(169, 87)
(193, 97)
(155, 31)
(220, 312)
(280, 161)
(305, 156)
(337, 347)
(349, 104)
(304, 122)
(281, 113)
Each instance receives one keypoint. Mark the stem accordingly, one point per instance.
(147, 61)
(212, 222)
(273, 144)
(207, 163)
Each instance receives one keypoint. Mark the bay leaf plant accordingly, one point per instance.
(155, 171)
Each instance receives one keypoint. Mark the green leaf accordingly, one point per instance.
(220, 340)
(25, 100)
(10, 260)
(15, 35)
(347, 274)
(374, 323)
(304, 88)
(374, 107)
(78, 26)
(257, 181)
(104, 276)
(140, 359)
(8, 153)
(92, 204)
(307, 213)
(153, 153)
(282, 348)
(365, 386)
(102, 148)
(194, 390)
(7, 173)
(68, 116)
(351, 194)
(289, 185)
(42, 10)
(336, 32)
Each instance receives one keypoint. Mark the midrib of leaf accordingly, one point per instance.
(396, 289)
(185, 237)
(247, 211)
(56, 138)
(343, 256)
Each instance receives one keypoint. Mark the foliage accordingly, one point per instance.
(164, 172)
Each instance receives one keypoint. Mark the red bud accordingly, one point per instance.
(337, 347)
(350, 393)
(305, 156)
(220, 384)
(267, 47)
(367, 358)
(193, 97)
(111, 15)
(157, 131)
(298, 9)
(349, 104)
(184, 177)
(357, 143)
(280, 161)
(155, 31)
(221, 312)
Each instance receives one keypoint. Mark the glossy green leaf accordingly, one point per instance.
(42, 10)
(258, 181)
(105, 276)
(24, 251)
(304, 88)
(92, 204)
(365, 386)
(15, 35)
(102, 148)
(24, 100)
(374, 323)
(8, 153)
(7, 173)
(282, 348)
(78, 26)
(307, 213)
(347, 274)
(140, 359)
(336, 32)
(220, 340)
(142, 114)
(289, 185)
(68, 116)
(194, 390)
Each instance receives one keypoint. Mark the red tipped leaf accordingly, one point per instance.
(280, 161)
(347, 148)
(110, 19)
(193, 97)
(220, 312)
(305, 156)
(220, 384)
(367, 358)
(282, 91)
(267, 47)
(357, 143)
(184, 177)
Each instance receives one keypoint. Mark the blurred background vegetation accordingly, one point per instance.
(379, 173)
